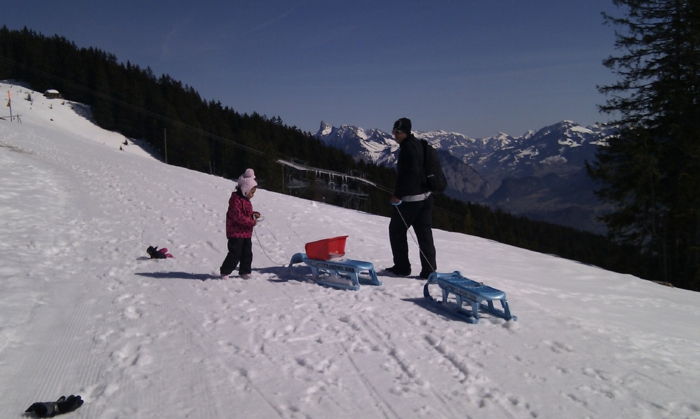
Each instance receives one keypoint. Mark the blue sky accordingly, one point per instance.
(472, 66)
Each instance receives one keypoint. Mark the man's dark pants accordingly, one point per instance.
(418, 215)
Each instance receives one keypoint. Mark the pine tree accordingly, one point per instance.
(650, 169)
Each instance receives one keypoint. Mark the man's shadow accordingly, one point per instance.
(438, 308)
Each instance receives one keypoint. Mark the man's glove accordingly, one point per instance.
(51, 409)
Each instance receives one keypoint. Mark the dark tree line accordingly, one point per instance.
(651, 170)
(211, 137)
(201, 135)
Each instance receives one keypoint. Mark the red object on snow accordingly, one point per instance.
(326, 248)
(164, 252)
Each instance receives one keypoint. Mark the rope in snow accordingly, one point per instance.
(265, 250)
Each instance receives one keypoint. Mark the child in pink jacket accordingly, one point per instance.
(240, 220)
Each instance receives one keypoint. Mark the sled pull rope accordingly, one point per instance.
(265, 251)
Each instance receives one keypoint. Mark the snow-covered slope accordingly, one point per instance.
(82, 311)
(62, 116)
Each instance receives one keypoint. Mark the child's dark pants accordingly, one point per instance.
(239, 250)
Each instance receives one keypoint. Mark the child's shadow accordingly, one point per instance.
(178, 275)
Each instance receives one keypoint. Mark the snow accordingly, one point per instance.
(569, 142)
(553, 160)
(325, 128)
(362, 134)
(582, 130)
(83, 311)
(528, 152)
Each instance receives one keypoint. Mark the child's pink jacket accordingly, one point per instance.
(239, 217)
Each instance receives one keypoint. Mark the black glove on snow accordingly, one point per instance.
(152, 252)
(51, 409)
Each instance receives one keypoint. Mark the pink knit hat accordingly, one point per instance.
(247, 181)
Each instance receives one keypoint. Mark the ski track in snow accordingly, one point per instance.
(83, 311)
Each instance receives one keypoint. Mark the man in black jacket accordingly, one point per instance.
(413, 205)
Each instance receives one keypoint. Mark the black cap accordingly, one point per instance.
(403, 125)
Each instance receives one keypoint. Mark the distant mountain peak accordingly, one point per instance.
(325, 129)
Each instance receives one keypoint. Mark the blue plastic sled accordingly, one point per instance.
(476, 295)
(343, 274)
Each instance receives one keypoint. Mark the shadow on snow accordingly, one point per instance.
(178, 275)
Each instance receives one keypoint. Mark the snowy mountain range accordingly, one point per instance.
(540, 174)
